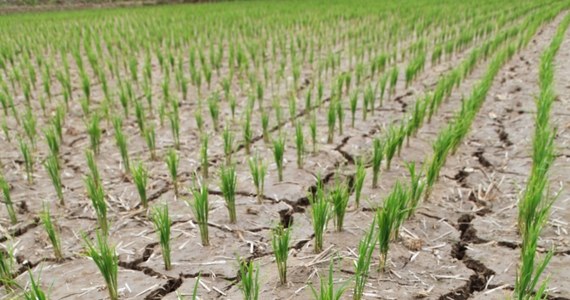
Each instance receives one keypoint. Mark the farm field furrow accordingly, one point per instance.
(286, 149)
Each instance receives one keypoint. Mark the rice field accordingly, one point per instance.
(286, 150)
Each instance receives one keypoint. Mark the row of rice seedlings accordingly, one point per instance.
(534, 207)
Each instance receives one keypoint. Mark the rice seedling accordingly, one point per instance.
(172, 161)
(52, 141)
(58, 121)
(94, 132)
(200, 209)
(377, 156)
(313, 130)
(51, 231)
(321, 214)
(393, 81)
(30, 125)
(162, 223)
(52, 166)
(94, 172)
(5, 187)
(359, 177)
(365, 248)
(300, 144)
(265, 126)
(214, 107)
(204, 163)
(327, 290)
(331, 121)
(353, 106)
(199, 120)
(34, 290)
(339, 196)
(249, 282)
(228, 186)
(140, 177)
(7, 263)
(140, 115)
(340, 116)
(107, 261)
(258, 170)
(121, 141)
(228, 144)
(278, 151)
(417, 187)
(280, 244)
(150, 139)
(292, 108)
(247, 133)
(28, 161)
(6, 130)
(97, 196)
(175, 125)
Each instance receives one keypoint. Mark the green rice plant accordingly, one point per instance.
(377, 156)
(359, 177)
(386, 219)
(172, 162)
(278, 111)
(339, 196)
(6, 130)
(417, 187)
(258, 170)
(530, 270)
(204, 163)
(93, 170)
(321, 214)
(97, 195)
(366, 248)
(214, 107)
(150, 139)
(94, 132)
(140, 177)
(308, 104)
(52, 166)
(300, 144)
(7, 263)
(327, 290)
(200, 208)
(247, 133)
(30, 126)
(280, 244)
(175, 125)
(249, 282)
(353, 105)
(278, 151)
(28, 161)
(265, 126)
(162, 223)
(228, 186)
(5, 187)
(84, 103)
(441, 147)
(228, 144)
(107, 261)
(233, 105)
(34, 290)
(199, 120)
(393, 80)
(313, 130)
(370, 98)
(391, 145)
(140, 115)
(292, 108)
(331, 121)
(51, 231)
(340, 116)
(121, 141)
(58, 121)
(52, 141)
